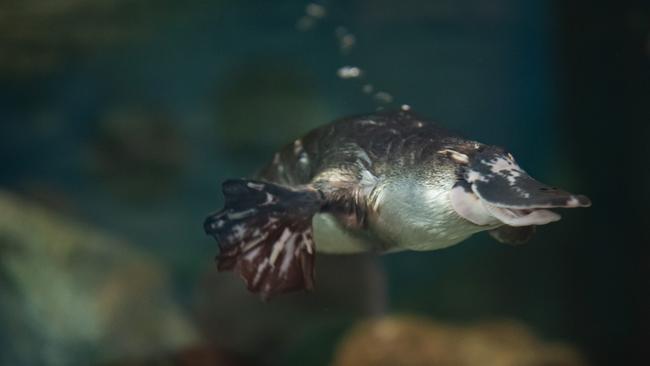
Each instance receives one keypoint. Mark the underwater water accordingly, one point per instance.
(121, 118)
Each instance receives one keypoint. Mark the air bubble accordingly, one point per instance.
(347, 42)
(315, 10)
(340, 31)
(349, 72)
(305, 23)
(384, 97)
(313, 13)
(346, 39)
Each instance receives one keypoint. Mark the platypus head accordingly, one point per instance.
(492, 189)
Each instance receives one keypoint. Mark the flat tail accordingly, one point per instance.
(265, 235)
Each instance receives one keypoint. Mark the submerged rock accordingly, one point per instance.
(70, 294)
(413, 341)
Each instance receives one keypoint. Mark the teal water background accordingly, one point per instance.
(127, 117)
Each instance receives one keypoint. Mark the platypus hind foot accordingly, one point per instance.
(265, 235)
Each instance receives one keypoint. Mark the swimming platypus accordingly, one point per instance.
(382, 182)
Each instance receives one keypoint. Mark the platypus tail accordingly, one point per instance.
(265, 235)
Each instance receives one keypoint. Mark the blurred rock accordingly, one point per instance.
(70, 294)
(413, 341)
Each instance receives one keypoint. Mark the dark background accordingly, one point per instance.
(120, 118)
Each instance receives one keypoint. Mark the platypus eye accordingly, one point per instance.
(548, 189)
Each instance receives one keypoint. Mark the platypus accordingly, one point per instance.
(383, 182)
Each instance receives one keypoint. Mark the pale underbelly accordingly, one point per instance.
(331, 237)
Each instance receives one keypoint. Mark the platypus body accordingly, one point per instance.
(381, 182)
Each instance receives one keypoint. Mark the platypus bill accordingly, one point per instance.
(381, 182)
